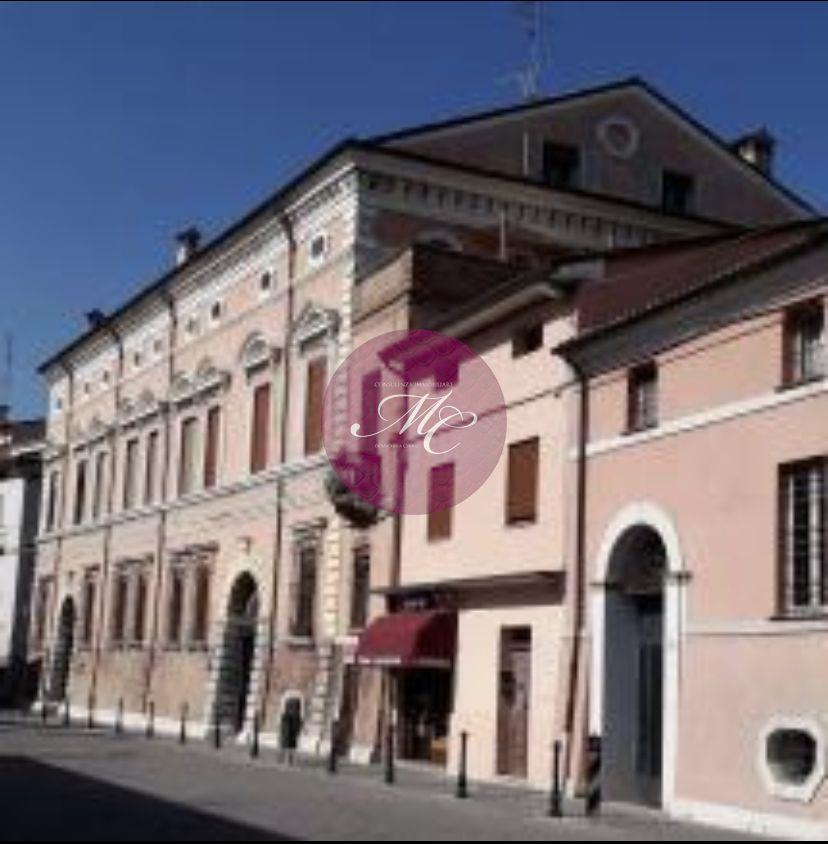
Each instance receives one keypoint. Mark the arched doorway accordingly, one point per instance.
(62, 655)
(633, 683)
(237, 652)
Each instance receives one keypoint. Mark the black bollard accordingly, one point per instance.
(593, 776)
(555, 796)
(119, 717)
(44, 712)
(217, 731)
(462, 767)
(254, 738)
(90, 711)
(332, 758)
(67, 719)
(182, 732)
(389, 754)
(150, 730)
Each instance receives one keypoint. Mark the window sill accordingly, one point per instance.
(785, 386)
(800, 615)
(521, 523)
(295, 641)
(632, 430)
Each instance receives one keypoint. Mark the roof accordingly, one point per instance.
(639, 282)
(631, 82)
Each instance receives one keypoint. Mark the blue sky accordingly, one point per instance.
(121, 123)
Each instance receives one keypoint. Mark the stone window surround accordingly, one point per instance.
(187, 561)
(798, 792)
(132, 568)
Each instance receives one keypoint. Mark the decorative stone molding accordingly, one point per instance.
(315, 322)
(133, 412)
(256, 352)
(206, 379)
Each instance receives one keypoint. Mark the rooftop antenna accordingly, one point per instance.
(531, 16)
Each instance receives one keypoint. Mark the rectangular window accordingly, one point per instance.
(90, 590)
(804, 339)
(642, 397)
(139, 617)
(527, 340)
(315, 396)
(211, 447)
(440, 499)
(561, 165)
(360, 587)
(80, 492)
(41, 612)
(130, 474)
(119, 607)
(175, 607)
(151, 467)
(187, 455)
(99, 500)
(677, 192)
(52, 500)
(304, 605)
(201, 609)
(803, 582)
(260, 432)
(522, 481)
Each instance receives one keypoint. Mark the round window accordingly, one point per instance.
(791, 755)
(619, 136)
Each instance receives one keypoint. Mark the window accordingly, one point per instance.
(304, 605)
(522, 481)
(803, 574)
(80, 492)
(175, 607)
(211, 446)
(677, 192)
(314, 399)
(119, 607)
(804, 340)
(260, 429)
(201, 611)
(90, 589)
(151, 466)
(642, 397)
(216, 311)
(187, 455)
(360, 587)
(528, 339)
(41, 611)
(561, 165)
(130, 474)
(140, 615)
(440, 500)
(98, 501)
(792, 757)
(52, 500)
(265, 281)
(318, 248)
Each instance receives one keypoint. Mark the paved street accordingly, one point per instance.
(76, 785)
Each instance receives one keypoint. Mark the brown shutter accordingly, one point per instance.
(522, 481)
(440, 499)
(260, 440)
(317, 376)
(211, 447)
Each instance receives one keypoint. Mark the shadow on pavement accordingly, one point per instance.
(42, 803)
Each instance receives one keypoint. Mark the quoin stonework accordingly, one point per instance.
(643, 568)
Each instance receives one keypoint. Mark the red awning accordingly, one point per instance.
(410, 639)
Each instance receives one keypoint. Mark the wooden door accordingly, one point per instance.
(513, 701)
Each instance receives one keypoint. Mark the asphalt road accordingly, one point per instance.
(68, 785)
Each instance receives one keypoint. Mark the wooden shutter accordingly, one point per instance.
(260, 437)
(187, 456)
(522, 481)
(211, 447)
(440, 499)
(317, 375)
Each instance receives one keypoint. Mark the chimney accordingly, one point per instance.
(187, 245)
(757, 148)
(95, 317)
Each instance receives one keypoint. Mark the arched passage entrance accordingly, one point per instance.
(238, 649)
(636, 623)
(62, 655)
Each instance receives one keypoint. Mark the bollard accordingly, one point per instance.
(217, 731)
(593, 776)
(150, 730)
(90, 711)
(254, 738)
(119, 717)
(44, 712)
(389, 754)
(182, 732)
(462, 779)
(67, 720)
(332, 759)
(555, 796)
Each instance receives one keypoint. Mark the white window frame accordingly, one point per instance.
(798, 792)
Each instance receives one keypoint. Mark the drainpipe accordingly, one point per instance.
(110, 500)
(579, 598)
(284, 416)
(161, 542)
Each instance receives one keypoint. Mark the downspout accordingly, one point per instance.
(579, 598)
(110, 500)
(284, 416)
(161, 541)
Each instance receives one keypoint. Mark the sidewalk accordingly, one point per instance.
(226, 795)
